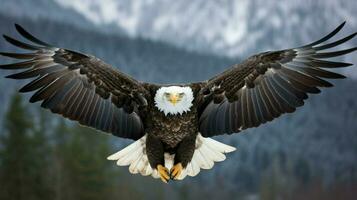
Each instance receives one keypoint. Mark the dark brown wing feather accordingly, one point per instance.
(267, 85)
(80, 87)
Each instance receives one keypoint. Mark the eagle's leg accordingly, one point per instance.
(155, 153)
(183, 155)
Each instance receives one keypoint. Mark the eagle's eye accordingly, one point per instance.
(181, 95)
(167, 95)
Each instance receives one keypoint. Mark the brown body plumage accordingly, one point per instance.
(168, 131)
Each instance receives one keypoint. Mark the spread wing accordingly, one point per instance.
(79, 87)
(267, 85)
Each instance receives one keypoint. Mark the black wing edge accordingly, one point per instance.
(37, 50)
(314, 44)
(29, 37)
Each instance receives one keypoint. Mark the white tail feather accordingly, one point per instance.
(207, 152)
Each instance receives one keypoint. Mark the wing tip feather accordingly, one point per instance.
(6, 37)
(22, 31)
(11, 76)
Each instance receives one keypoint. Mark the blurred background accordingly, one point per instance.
(311, 154)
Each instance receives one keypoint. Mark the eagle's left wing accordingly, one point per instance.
(267, 85)
(80, 87)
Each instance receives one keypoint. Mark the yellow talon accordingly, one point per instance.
(164, 173)
(176, 171)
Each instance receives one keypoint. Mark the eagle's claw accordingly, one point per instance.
(176, 171)
(163, 173)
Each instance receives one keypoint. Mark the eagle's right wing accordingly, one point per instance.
(80, 87)
(266, 85)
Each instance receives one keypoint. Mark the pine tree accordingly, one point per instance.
(60, 180)
(43, 153)
(22, 175)
(84, 168)
(80, 168)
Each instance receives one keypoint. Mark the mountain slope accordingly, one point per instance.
(228, 28)
(224, 27)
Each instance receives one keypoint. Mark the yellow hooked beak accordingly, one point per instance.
(174, 98)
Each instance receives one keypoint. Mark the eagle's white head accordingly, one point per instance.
(174, 99)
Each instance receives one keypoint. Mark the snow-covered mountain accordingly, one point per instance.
(42, 9)
(225, 27)
(50, 10)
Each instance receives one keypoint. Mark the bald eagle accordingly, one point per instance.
(171, 125)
